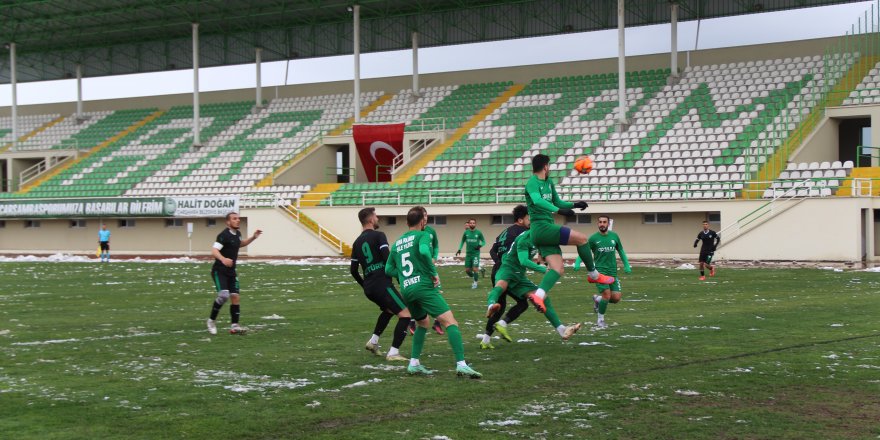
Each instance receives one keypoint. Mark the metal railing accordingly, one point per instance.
(862, 187)
(437, 194)
(365, 196)
(328, 198)
(319, 230)
(766, 211)
(40, 167)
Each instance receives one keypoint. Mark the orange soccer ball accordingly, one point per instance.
(583, 165)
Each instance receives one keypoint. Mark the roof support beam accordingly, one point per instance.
(14, 81)
(197, 123)
(357, 62)
(621, 64)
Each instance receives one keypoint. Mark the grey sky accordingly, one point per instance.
(722, 32)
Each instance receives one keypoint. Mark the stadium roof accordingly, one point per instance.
(112, 37)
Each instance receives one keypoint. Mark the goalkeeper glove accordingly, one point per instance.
(582, 205)
(566, 212)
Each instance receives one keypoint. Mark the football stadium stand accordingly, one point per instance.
(703, 135)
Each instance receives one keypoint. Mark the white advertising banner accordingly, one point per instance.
(204, 206)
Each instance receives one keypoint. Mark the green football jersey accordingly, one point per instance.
(547, 203)
(473, 240)
(605, 249)
(435, 242)
(410, 261)
(520, 255)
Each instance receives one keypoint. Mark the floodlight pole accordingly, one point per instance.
(356, 9)
(415, 57)
(197, 123)
(621, 65)
(14, 82)
(259, 57)
(674, 43)
(79, 92)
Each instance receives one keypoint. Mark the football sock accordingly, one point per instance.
(382, 323)
(487, 339)
(235, 312)
(454, 336)
(502, 322)
(374, 339)
(399, 333)
(560, 329)
(603, 306)
(215, 310)
(461, 363)
(418, 341)
(476, 275)
(515, 311)
(547, 283)
(702, 272)
(600, 318)
(494, 295)
(413, 362)
(393, 352)
(587, 257)
(551, 315)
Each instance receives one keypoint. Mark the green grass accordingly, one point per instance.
(120, 351)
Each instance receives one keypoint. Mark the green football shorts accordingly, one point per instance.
(614, 287)
(518, 285)
(471, 259)
(545, 237)
(424, 302)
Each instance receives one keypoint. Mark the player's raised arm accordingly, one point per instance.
(534, 193)
(559, 202)
(250, 239)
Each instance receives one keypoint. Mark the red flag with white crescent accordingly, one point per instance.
(377, 146)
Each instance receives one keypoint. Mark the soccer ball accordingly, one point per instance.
(583, 165)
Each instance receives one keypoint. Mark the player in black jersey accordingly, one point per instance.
(710, 240)
(502, 244)
(225, 252)
(369, 252)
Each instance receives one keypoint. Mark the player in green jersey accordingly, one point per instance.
(511, 278)
(543, 201)
(411, 263)
(435, 254)
(605, 246)
(474, 241)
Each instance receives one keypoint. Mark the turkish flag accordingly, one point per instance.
(377, 146)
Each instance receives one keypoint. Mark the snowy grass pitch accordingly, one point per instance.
(120, 351)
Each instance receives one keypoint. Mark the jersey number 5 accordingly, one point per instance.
(407, 265)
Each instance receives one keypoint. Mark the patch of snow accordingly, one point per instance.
(362, 383)
(501, 422)
(685, 266)
(687, 393)
(272, 316)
